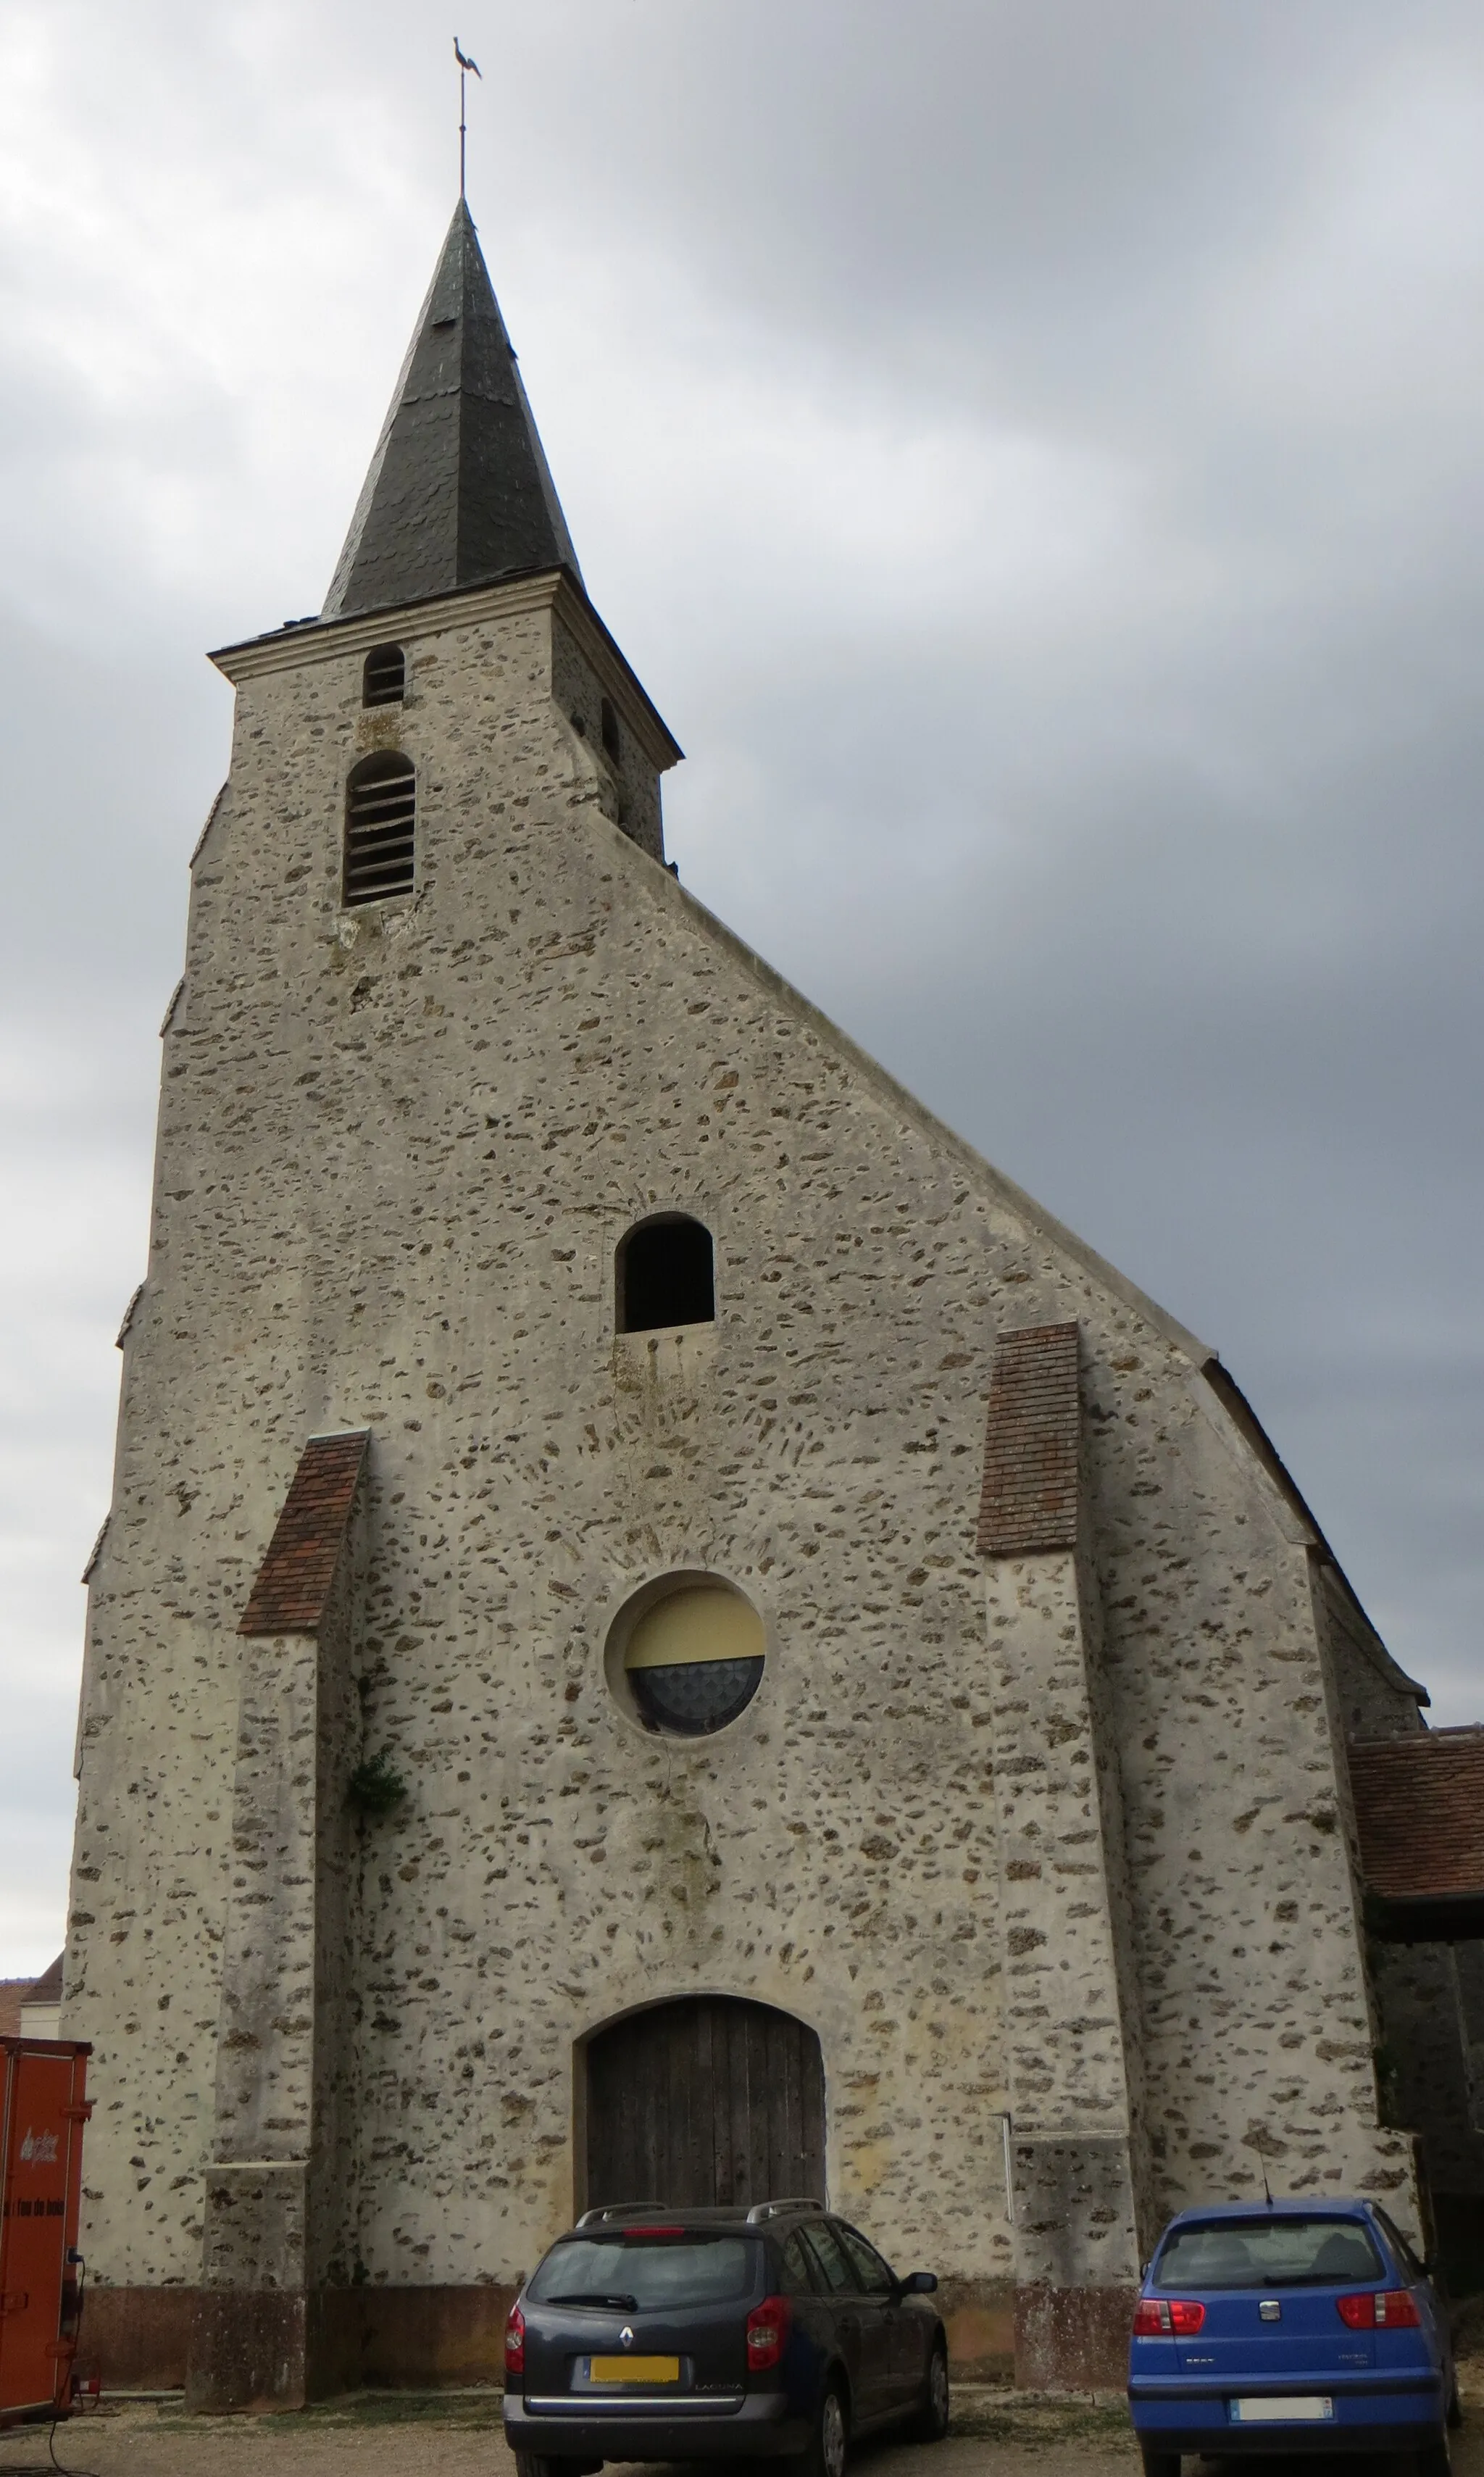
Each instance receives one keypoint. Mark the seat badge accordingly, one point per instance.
(1269, 2310)
(626, 2336)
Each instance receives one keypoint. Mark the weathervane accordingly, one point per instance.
(465, 66)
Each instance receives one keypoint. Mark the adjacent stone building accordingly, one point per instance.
(664, 1631)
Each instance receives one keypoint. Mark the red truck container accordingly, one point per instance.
(43, 2108)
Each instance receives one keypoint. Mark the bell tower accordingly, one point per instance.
(433, 785)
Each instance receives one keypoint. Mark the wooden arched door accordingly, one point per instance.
(708, 2099)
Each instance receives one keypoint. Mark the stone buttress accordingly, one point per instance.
(1079, 2200)
(277, 2200)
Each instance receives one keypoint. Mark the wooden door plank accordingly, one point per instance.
(812, 2110)
(709, 2099)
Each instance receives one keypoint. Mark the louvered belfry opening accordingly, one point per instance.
(384, 679)
(381, 808)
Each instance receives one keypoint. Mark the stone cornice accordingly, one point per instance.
(323, 640)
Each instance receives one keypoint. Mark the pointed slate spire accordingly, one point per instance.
(459, 491)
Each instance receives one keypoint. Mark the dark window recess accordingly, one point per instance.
(666, 1275)
(381, 806)
(384, 679)
(613, 745)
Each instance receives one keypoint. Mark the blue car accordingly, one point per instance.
(1299, 2326)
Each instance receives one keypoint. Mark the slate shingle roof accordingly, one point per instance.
(294, 1578)
(1030, 1448)
(459, 490)
(1419, 1810)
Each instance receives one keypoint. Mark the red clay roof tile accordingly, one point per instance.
(295, 1577)
(1420, 1810)
(1030, 1449)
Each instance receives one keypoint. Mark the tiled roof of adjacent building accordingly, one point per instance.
(295, 1577)
(1419, 1810)
(16, 1992)
(47, 1989)
(1030, 1448)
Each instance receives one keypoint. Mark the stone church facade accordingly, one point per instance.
(661, 1623)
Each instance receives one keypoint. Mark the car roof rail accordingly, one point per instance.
(792, 2202)
(616, 2210)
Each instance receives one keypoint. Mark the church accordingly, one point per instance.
(664, 1632)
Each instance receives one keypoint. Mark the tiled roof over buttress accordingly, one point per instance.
(1031, 1443)
(295, 1577)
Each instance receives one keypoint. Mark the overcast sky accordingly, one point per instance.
(1032, 452)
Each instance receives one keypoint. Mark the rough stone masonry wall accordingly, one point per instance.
(1257, 2022)
(397, 1152)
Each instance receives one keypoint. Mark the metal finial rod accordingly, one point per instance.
(464, 65)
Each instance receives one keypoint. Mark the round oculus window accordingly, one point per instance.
(694, 1659)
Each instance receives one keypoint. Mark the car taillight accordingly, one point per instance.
(515, 2342)
(1397, 2309)
(1389, 2309)
(1158, 2318)
(767, 2331)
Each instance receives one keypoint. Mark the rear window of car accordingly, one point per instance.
(1268, 2253)
(1404, 2252)
(634, 2272)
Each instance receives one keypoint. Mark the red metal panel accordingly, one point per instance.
(42, 2111)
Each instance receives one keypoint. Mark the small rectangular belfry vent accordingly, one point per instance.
(384, 679)
(381, 811)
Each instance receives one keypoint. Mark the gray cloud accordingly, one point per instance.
(1029, 452)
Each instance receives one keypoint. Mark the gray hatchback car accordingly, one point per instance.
(775, 2333)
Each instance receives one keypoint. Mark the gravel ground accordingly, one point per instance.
(391, 2435)
(397, 2435)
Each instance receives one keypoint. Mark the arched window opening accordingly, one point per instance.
(613, 745)
(381, 807)
(384, 679)
(666, 1275)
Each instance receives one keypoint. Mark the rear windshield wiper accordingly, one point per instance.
(590, 2296)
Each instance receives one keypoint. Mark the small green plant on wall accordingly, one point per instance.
(375, 1787)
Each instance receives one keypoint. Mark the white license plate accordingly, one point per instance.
(1281, 2411)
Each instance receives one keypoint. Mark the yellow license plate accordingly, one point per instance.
(634, 2369)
